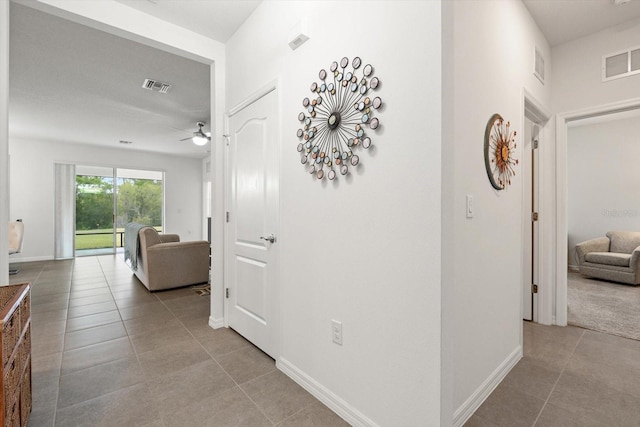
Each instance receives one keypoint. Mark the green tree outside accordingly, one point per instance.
(138, 200)
(94, 202)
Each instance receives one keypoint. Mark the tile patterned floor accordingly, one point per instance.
(108, 353)
(568, 377)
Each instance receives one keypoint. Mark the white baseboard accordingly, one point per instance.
(574, 268)
(464, 412)
(216, 323)
(15, 260)
(326, 396)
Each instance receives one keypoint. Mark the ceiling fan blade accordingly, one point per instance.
(199, 134)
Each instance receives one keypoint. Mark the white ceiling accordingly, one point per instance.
(565, 20)
(72, 83)
(216, 19)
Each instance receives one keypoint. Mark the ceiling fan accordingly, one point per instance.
(199, 137)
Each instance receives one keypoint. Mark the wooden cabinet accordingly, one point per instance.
(15, 315)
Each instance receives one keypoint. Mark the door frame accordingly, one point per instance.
(562, 250)
(273, 86)
(535, 111)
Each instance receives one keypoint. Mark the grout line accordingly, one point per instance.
(98, 397)
(92, 366)
(145, 377)
(313, 402)
(64, 339)
(135, 352)
(224, 370)
(558, 380)
(64, 335)
(198, 341)
(255, 404)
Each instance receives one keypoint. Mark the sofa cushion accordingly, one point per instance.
(609, 258)
(623, 242)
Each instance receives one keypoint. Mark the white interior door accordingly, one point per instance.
(252, 205)
(535, 224)
(530, 177)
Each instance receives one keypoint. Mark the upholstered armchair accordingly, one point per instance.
(615, 257)
(16, 234)
(164, 262)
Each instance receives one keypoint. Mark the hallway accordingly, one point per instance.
(106, 352)
(568, 377)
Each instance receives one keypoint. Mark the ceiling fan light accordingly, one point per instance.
(200, 140)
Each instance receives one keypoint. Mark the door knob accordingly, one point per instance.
(270, 239)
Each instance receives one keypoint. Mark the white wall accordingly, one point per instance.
(493, 48)
(4, 141)
(364, 250)
(578, 88)
(32, 188)
(577, 69)
(603, 179)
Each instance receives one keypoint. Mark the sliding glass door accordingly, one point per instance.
(139, 198)
(109, 198)
(95, 199)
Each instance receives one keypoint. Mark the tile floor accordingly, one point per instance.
(108, 353)
(568, 377)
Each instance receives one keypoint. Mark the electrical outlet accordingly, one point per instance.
(336, 332)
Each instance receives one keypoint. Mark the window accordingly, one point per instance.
(621, 64)
(109, 198)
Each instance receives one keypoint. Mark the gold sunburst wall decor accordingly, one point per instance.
(338, 118)
(499, 152)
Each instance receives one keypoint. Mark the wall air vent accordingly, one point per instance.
(621, 64)
(156, 86)
(538, 64)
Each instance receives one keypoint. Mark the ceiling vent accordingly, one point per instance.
(156, 86)
(621, 64)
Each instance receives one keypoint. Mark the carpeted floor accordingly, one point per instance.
(604, 306)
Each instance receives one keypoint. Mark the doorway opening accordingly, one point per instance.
(109, 198)
(562, 234)
(602, 200)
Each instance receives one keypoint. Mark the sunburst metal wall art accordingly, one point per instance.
(338, 117)
(499, 150)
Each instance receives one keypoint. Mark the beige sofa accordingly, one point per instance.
(615, 257)
(164, 262)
